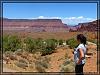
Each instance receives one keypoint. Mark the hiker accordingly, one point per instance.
(79, 54)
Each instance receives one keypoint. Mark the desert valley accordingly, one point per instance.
(46, 45)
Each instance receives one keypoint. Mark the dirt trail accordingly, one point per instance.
(56, 60)
(91, 63)
(90, 43)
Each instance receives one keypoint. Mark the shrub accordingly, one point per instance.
(68, 66)
(49, 47)
(67, 56)
(39, 45)
(39, 67)
(45, 61)
(56, 41)
(5, 43)
(18, 52)
(30, 44)
(25, 54)
(13, 57)
(72, 42)
(8, 53)
(23, 61)
(21, 65)
(11, 43)
(32, 66)
(60, 42)
(39, 42)
(42, 64)
(37, 55)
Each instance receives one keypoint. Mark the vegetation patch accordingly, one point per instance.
(68, 66)
(72, 42)
(22, 63)
(42, 64)
(11, 43)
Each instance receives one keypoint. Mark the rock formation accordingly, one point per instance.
(47, 25)
(37, 25)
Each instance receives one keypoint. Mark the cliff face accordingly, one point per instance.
(48, 25)
(89, 26)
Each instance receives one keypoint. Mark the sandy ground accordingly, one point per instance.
(58, 58)
(91, 63)
(8, 70)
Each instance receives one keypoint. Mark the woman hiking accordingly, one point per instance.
(79, 54)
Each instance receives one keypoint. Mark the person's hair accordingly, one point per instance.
(81, 38)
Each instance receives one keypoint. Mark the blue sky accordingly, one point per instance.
(70, 13)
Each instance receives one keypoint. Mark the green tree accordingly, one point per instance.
(72, 42)
(11, 43)
(30, 44)
(60, 42)
(49, 46)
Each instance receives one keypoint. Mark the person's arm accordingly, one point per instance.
(81, 55)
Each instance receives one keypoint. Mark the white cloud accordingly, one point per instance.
(56, 17)
(76, 20)
(41, 17)
(72, 18)
(80, 17)
(67, 20)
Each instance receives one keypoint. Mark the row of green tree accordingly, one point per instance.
(47, 46)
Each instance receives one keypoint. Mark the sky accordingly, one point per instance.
(69, 13)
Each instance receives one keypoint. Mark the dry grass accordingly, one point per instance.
(44, 35)
(56, 58)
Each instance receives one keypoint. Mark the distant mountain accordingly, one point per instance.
(89, 26)
(47, 25)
